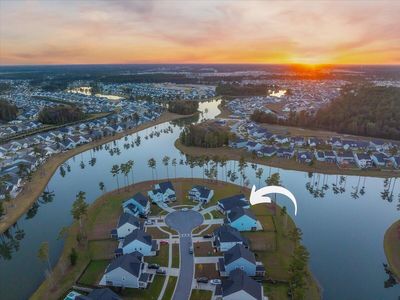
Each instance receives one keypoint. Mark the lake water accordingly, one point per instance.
(343, 224)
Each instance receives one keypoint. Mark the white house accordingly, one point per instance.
(162, 192)
(240, 286)
(363, 160)
(126, 271)
(127, 224)
(201, 194)
(138, 241)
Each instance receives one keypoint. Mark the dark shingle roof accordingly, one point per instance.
(138, 234)
(141, 199)
(227, 233)
(238, 281)
(100, 294)
(165, 186)
(238, 212)
(238, 251)
(129, 262)
(128, 218)
(233, 201)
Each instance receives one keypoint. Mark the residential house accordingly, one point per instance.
(201, 194)
(225, 237)
(240, 286)
(238, 257)
(137, 205)
(281, 139)
(242, 219)
(298, 141)
(126, 271)
(287, 153)
(345, 158)
(239, 143)
(304, 157)
(396, 161)
(381, 160)
(363, 160)
(253, 146)
(266, 151)
(138, 241)
(163, 192)
(99, 294)
(226, 204)
(127, 223)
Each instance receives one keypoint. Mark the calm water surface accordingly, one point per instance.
(343, 218)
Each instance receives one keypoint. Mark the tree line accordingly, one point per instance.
(60, 114)
(183, 107)
(8, 111)
(206, 136)
(360, 110)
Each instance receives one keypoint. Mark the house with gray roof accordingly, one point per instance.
(238, 257)
(225, 237)
(126, 271)
(226, 204)
(127, 223)
(139, 241)
(99, 294)
(242, 219)
(201, 193)
(240, 286)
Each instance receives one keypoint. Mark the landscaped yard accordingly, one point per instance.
(169, 291)
(199, 228)
(103, 249)
(200, 295)
(156, 233)
(204, 249)
(211, 229)
(151, 293)
(94, 272)
(175, 255)
(206, 270)
(161, 258)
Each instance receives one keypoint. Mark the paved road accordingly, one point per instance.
(184, 222)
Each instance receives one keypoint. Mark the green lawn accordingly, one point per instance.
(151, 293)
(169, 291)
(102, 249)
(156, 233)
(161, 258)
(175, 255)
(217, 214)
(94, 272)
(276, 291)
(200, 295)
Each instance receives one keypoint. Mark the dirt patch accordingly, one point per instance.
(206, 270)
(204, 249)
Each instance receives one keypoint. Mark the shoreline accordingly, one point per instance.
(286, 164)
(391, 245)
(32, 190)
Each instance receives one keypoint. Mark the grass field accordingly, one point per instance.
(151, 293)
(175, 256)
(200, 295)
(161, 258)
(206, 270)
(93, 272)
(156, 233)
(169, 291)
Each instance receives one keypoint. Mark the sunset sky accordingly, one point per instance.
(309, 32)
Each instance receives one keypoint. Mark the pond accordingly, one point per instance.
(343, 218)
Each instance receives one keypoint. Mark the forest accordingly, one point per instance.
(8, 111)
(360, 110)
(205, 135)
(59, 115)
(183, 107)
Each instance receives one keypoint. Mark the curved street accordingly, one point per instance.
(184, 222)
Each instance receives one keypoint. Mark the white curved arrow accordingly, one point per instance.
(259, 196)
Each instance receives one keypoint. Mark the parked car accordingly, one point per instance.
(185, 209)
(161, 272)
(154, 266)
(202, 280)
(191, 250)
(207, 236)
(149, 222)
(163, 242)
(215, 281)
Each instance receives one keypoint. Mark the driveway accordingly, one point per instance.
(184, 222)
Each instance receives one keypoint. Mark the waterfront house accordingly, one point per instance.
(127, 223)
(99, 294)
(225, 237)
(240, 286)
(126, 271)
(239, 143)
(287, 153)
(298, 141)
(379, 145)
(163, 192)
(266, 151)
(304, 157)
(201, 194)
(335, 142)
(281, 139)
(363, 160)
(396, 161)
(226, 204)
(253, 146)
(138, 241)
(238, 257)
(242, 219)
(345, 158)
(137, 205)
(382, 160)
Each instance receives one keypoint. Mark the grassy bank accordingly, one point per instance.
(32, 190)
(391, 245)
(287, 164)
